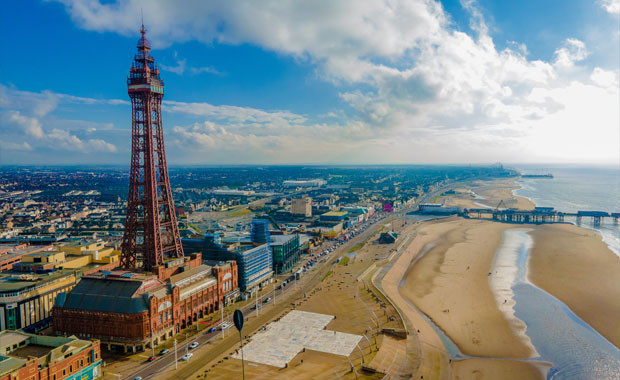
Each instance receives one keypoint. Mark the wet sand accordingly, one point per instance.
(493, 369)
(450, 285)
(577, 267)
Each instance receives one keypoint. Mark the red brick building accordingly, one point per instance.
(34, 357)
(126, 310)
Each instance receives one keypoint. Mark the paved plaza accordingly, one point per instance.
(283, 340)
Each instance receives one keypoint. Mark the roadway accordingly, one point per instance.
(364, 232)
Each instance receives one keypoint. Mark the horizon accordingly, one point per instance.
(439, 82)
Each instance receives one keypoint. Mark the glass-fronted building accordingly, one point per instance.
(255, 266)
(254, 261)
(285, 252)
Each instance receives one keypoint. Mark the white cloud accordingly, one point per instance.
(30, 125)
(64, 140)
(24, 146)
(604, 78)
(611, 6)
(572, 51)
(420, 89)
(238, 114)
(181, 67)
(29, 115)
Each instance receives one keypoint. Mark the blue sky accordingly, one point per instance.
(316, 82)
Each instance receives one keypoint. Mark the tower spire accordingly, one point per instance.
(151, 233)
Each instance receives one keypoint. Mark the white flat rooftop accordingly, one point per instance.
(283, 340)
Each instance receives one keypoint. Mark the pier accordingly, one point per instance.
(538, 216)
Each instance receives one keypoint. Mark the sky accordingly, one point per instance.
(316, 82)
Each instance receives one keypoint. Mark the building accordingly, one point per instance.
(318, 182)
(388, 237)
(260, 231)
(438, 209)
(26, 299)
(254, 260)
(29, 356)
(129, 311)
(285, 252)
(28, 290)
(11, 254)
(333, 216)
(255, 266)
(302, 206)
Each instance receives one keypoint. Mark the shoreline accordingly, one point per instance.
(448, 284)
(435, 283)
(599, 231)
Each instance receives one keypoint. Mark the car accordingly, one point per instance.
(212, 329)
(187, 356)
(164, 351)
(137, 378)
(152, 358)
(267, 300)
(225, 325)
(193, 345)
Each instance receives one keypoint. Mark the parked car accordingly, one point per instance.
(267, 300)
(187, 356)
(211, 329)
(152, 358)
(164, 351)
(193, 345)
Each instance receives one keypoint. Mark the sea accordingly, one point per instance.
(577, 188)
(575, 350)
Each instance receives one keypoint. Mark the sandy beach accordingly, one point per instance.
(450, 274)
(450, 285)
(489, 194)
(577, 267)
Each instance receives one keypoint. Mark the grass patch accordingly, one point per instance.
(241, 212)
(436, 199)
(357, 247)
(344, 261)
(327, 275)
(195, 227)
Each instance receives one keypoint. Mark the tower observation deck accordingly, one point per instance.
(151, 231)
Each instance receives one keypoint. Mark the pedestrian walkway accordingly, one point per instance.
(281, 341)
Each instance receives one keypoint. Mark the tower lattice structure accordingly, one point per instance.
(151, 230)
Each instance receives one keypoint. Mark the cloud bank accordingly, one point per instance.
(419, 90)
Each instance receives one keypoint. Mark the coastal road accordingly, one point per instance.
(365, 231)
(148, 370)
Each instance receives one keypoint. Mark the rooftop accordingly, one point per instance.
(16, 347)
(335, 213)
(282, 239)
(19, 282)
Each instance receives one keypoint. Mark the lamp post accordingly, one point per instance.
(238, 319)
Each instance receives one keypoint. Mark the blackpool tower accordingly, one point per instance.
(151, 232)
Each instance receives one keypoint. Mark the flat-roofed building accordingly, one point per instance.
(128, 310)
(255, 266)
(11, 254)
(301, 206)
(29, 356)
(285, 250)
(254, 260)
(318, 182)
(26, 299)
(333, 216)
